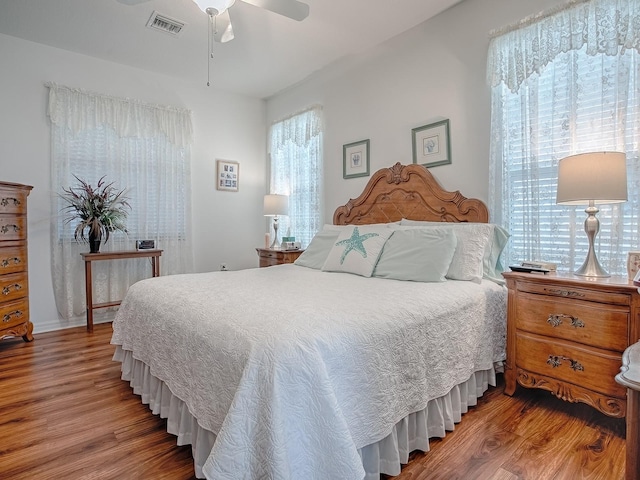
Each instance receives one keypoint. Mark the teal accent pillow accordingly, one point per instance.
(418, 255)
(357, 249)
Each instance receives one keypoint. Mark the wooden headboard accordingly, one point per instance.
(408, 191)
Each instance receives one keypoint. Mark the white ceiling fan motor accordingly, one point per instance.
(214, 7)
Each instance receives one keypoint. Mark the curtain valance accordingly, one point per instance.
(298, 128)
(604, 26)
(78, 110)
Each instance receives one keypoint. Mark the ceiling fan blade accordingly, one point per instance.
(289, 8)
(223, 30)
(132, 2)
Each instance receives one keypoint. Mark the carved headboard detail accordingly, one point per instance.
(408, 191)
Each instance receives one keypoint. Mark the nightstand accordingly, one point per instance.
(566, 334)
(269, 257)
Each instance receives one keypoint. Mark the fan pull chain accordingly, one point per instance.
(210, 48)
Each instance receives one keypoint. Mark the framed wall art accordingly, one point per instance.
(227, 175)
(355, 159)
(431, 144)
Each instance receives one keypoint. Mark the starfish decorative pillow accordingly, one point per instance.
(357, 250)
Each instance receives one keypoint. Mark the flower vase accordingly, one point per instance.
(94, 242)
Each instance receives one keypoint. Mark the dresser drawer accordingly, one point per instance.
(14, 313)
(569, 362)
(13, 227)
(14, 285)
(575, 293)
(13, 201)
(599, 325)
(13, 259)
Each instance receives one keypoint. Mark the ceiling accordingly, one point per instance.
(269, 53)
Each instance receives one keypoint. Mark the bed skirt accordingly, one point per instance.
(386, 456)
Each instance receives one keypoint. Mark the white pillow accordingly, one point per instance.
(418, 255)
(357, 249)
(493, 236)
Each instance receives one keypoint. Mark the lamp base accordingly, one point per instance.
(275, 245)
(591, 266)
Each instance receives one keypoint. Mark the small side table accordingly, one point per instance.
(629, 377)
(269, 256)
(94, 257)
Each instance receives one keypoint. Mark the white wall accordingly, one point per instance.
(226, 226)
(434, 71)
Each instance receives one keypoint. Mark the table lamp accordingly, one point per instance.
(592, 178)
(275, 205)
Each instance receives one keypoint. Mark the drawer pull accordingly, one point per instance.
(564, 293)
(6, 228)
(555, 320)
(15, 313)
(7, 290)
(556, 361)
(5, 201)
(8, 261)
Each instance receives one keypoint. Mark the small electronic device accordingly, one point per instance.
(290, 245)
(538, 264)
(145, 244)
(521, 268)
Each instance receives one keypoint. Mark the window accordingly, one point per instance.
(573, 102)
(296, 170)
(143, 149)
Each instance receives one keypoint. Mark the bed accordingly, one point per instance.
(295, 371)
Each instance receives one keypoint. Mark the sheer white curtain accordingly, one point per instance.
(142, 148)
(564, 82)
(296, 170)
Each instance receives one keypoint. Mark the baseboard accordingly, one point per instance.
(61, 324)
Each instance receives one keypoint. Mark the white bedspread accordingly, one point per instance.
(294, 369)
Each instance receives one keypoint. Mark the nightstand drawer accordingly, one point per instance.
(574, 293)
(14, 313)
(269, 254)
(269, 257)
(13, 286)
(599, 325)
(585, 367)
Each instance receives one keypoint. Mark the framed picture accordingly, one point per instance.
(431, 144)
(228, 175)
(355, 159)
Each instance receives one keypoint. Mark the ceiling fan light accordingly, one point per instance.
(214, 7)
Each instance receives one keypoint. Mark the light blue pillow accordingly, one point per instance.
(493, 236)
(357, 249)
(318, 250)
(418, 255)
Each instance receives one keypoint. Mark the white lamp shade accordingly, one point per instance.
(275, 205)
(218, 5)
(597, 176)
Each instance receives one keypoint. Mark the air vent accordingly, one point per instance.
(165, 24)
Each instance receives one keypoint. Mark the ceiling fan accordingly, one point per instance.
(218, 10)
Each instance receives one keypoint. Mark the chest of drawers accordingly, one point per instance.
(566, 334)
(14, 281)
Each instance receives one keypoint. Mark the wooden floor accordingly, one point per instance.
(65, 414)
